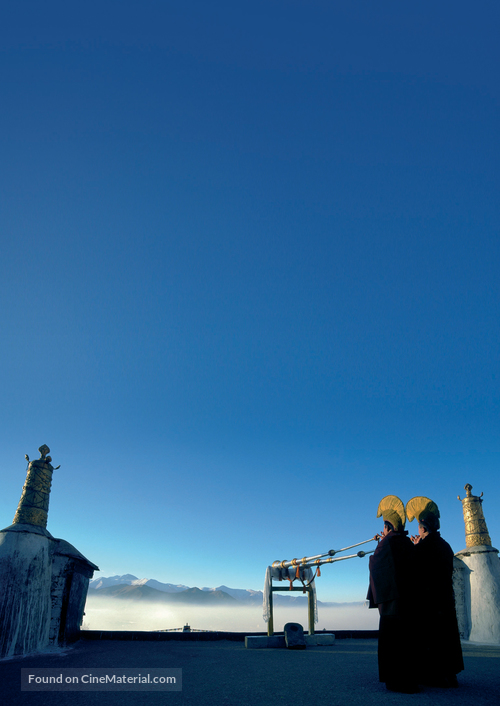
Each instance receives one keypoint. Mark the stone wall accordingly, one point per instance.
(70, 582)
(43, 588)
(477, 593)
(25, 579)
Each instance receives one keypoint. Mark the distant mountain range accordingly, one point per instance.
(129, 587)
(145, 593)
(105, 582)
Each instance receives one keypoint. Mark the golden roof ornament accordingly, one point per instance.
(391, 508)
(34, 503)
(476, 531)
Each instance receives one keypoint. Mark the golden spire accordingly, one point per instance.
(34, 503)
(476, 532)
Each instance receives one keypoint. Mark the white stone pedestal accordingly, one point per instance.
(25, 579)
(477, 591)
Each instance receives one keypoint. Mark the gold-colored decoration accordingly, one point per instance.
(476, 531)
(424, 510)
(391, 508)
(34, 503)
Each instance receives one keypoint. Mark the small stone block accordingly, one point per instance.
(258, 642)
(321, 638)
(276, 641)
(294, 636)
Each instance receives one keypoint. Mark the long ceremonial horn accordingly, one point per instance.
(306, 560)
(330, 560)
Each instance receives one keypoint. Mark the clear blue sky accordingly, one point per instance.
(250, 275)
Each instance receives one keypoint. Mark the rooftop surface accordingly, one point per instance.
(225, 673)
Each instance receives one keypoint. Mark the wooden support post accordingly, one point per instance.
(270, 623)
(310, 609)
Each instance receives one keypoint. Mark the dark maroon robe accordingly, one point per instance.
(392, 592)
(438, 638)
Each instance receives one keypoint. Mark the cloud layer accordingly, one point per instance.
(110, 614)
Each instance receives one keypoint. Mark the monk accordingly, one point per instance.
(440, 650)
(391, 591)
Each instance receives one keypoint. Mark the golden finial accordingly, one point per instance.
(34, 503)
(476, 531)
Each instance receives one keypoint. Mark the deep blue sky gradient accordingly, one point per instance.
(250, 258)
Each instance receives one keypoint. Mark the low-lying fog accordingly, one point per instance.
(116, 614)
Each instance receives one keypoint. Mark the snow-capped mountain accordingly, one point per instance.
(242, 595)
(245, 596)
(130, 580)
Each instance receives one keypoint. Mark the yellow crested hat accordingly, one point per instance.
(391, 508)
(424, 510)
